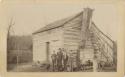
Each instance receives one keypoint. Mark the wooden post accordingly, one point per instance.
(17, 57)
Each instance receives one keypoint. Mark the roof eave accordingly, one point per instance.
(46, 30)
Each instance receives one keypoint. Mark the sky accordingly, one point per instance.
(29, 17)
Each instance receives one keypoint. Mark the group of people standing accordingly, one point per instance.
(59, 60)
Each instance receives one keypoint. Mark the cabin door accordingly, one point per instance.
(47, 51)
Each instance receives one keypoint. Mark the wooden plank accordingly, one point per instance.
(72, 38)
(72, 34)
(69, 33)
(73, 24)
(72, 41)
(73, 29)
(71, 44)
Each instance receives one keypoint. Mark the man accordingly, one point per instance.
(58, 61)
(65, 59)
(54, 60)
(71, 60)
(60, 58)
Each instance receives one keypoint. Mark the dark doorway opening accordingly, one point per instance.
(47, 51)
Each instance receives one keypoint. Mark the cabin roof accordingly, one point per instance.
(57, 23)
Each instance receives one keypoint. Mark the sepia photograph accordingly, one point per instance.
(61, 38)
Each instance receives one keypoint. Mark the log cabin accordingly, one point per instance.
(76, 33)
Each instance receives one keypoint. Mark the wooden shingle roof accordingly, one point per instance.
(57, 23)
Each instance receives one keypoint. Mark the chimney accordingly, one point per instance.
(86, 21)
(87, 16)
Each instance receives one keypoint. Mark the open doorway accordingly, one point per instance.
(47, 51)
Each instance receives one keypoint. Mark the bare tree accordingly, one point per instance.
(11, 23)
